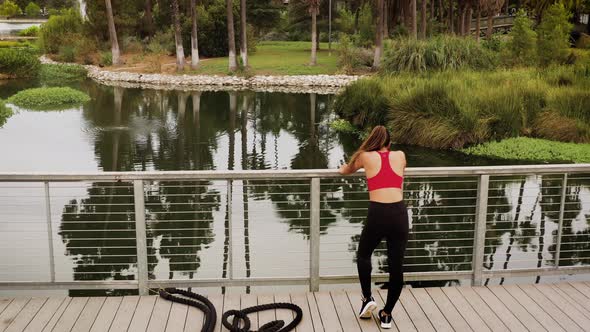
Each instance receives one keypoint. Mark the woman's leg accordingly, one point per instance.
(396, 247)
(370, 238)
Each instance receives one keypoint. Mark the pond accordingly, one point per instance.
(141, 129)
(14, 28)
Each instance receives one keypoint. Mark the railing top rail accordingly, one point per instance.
(286, 174)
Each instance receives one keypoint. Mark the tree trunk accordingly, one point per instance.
(432, 10)
(243, 31)
(112, 34)
(231, 35)
(478, 23)
(451, 29)
(441, 11)
(414, 20)
(468, 19)
(314, 36)
(423, 17)
(385, 19)
(194, 36)
(462, 20)
(490, 27)
(378, 36)
(178, 37)
(149, 18)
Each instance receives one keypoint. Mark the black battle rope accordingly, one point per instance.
(239, 315)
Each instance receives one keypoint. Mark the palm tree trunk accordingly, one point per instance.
(478, 23)
(385, 19)
(178, 37)
(490, 27)
(423, 17)
(462, 20)
(414, 20)
(149, 18)
(450, 21)
(194, 36)
(441, 11)
(314, 36)
(112, 33)
(243, 31)
(378, 36)
(233, 65)
(468, 19)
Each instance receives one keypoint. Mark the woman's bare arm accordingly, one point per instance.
(349, 169)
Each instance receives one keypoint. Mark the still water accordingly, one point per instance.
(14, 28)
(189, 223)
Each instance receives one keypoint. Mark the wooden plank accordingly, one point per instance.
(448, 309)
(583, 288)
(533, 308)
(160, 315)
(500, 309)
(327, 311)
(437, 319)
(375, 317)
(26, 315)
(266, 315)
(366, 325)
(550, 308)
(574, 297)
(230, 302)
(484, 311)
(56, 316)
(177, 319)
(194, 319)
(528, 321)
(306, 323)
(465, 309)
(250, 300)
(414, 311)
(70, 315)
(217, 300)
(124, 314)
(400, 316)
(318, 324)
(569, 309)
(45, 313)
(89, 314)
(106, 315)
(284, 314)
(10, 313)
(142, 314)
(344, 310)
(4, 302)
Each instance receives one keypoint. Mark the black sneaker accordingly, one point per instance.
(385, 320)
(367, 308)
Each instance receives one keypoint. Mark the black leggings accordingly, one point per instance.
(389, 221)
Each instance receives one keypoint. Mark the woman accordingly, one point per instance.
(387, 217)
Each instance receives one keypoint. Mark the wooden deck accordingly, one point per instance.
(544, 307)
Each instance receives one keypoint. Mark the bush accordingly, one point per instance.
(106, 58)
(18, 62)
(131, 44)
(9, 8)
(62, 29)
(436, 54)
(351, 58)
(522, 45)
(32, 31)
(66, 53)
(363, 103)
(32, 10)
(48, 98)
(554, 33)
(60, 72)
(163, 43)
(5, 113)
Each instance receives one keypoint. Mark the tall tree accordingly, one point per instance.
(112, 33)
(314, 8)
(233, 64)
(414, 19)
(244, 35)
(378, 35)
(478, 22)
(194, 36)
(423, 17)
(150, 28)
(178, 36)
(493, 8)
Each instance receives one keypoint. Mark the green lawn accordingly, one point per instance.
(278, 58)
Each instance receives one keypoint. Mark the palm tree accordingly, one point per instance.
(233, 65)
(112, 33)
(314, 8)
(244, 38)
(423, 16)
(378, 35)
(178, 37)
(194, 37)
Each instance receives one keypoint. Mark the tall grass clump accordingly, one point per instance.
(571, 102)
(5, 113)
(363, 103)
(56, 73)
(18, 63)
(436, 54)
(48, 98)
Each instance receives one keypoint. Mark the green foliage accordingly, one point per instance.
(18, 62)
(212, 21)
(553, 35)
(583, 42)
(51, 74)
(32, 31)
(436, 54)
(366, 26)
(162, 43)
(9, 44)
(48, 98)
(5, 113)
(33, 10)
(9, 8)
(66, 53)
(345, 21)
(106, 58)
(532, 149)
(363, 103)
(522, 45)
(352, 59)
(60, 30)
(343, 126)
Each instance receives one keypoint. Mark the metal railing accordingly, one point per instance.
(459, 218)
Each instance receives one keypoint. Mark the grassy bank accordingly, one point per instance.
(5, 113)
(48, 98)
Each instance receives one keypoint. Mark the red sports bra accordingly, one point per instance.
(387, 177)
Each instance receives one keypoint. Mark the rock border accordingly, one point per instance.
(321, 84)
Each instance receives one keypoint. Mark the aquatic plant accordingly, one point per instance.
(51, 73)
(48, 98)
(18, 63)
(5, 113)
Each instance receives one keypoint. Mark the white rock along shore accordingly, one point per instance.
(322, 84)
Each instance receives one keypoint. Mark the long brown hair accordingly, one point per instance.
(378, 139)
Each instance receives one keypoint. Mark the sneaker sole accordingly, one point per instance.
(386, 325)
(368, 312)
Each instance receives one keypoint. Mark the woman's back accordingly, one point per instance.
(384, 171)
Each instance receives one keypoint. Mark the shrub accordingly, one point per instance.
(51, 73)
(131, 44)
(48, 98)
(584, 41)
(343, 126)
(32, 9)
(363, 103)
(106, 58)
(9, 8)
(59, 30)
(32, 31)
(66, 53)
(522, 45)
(163, 43)
(18, 62)
(351, 58)
(5, 113)
(553, 35)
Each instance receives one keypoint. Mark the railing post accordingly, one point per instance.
(230, 256)
(49, 232)
(560, 225)
(140, 237)
(481, 211)
(314, 236)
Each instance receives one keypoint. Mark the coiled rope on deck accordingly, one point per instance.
(240, 322)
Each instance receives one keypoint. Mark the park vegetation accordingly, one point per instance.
(48, 98)
(5, 113)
